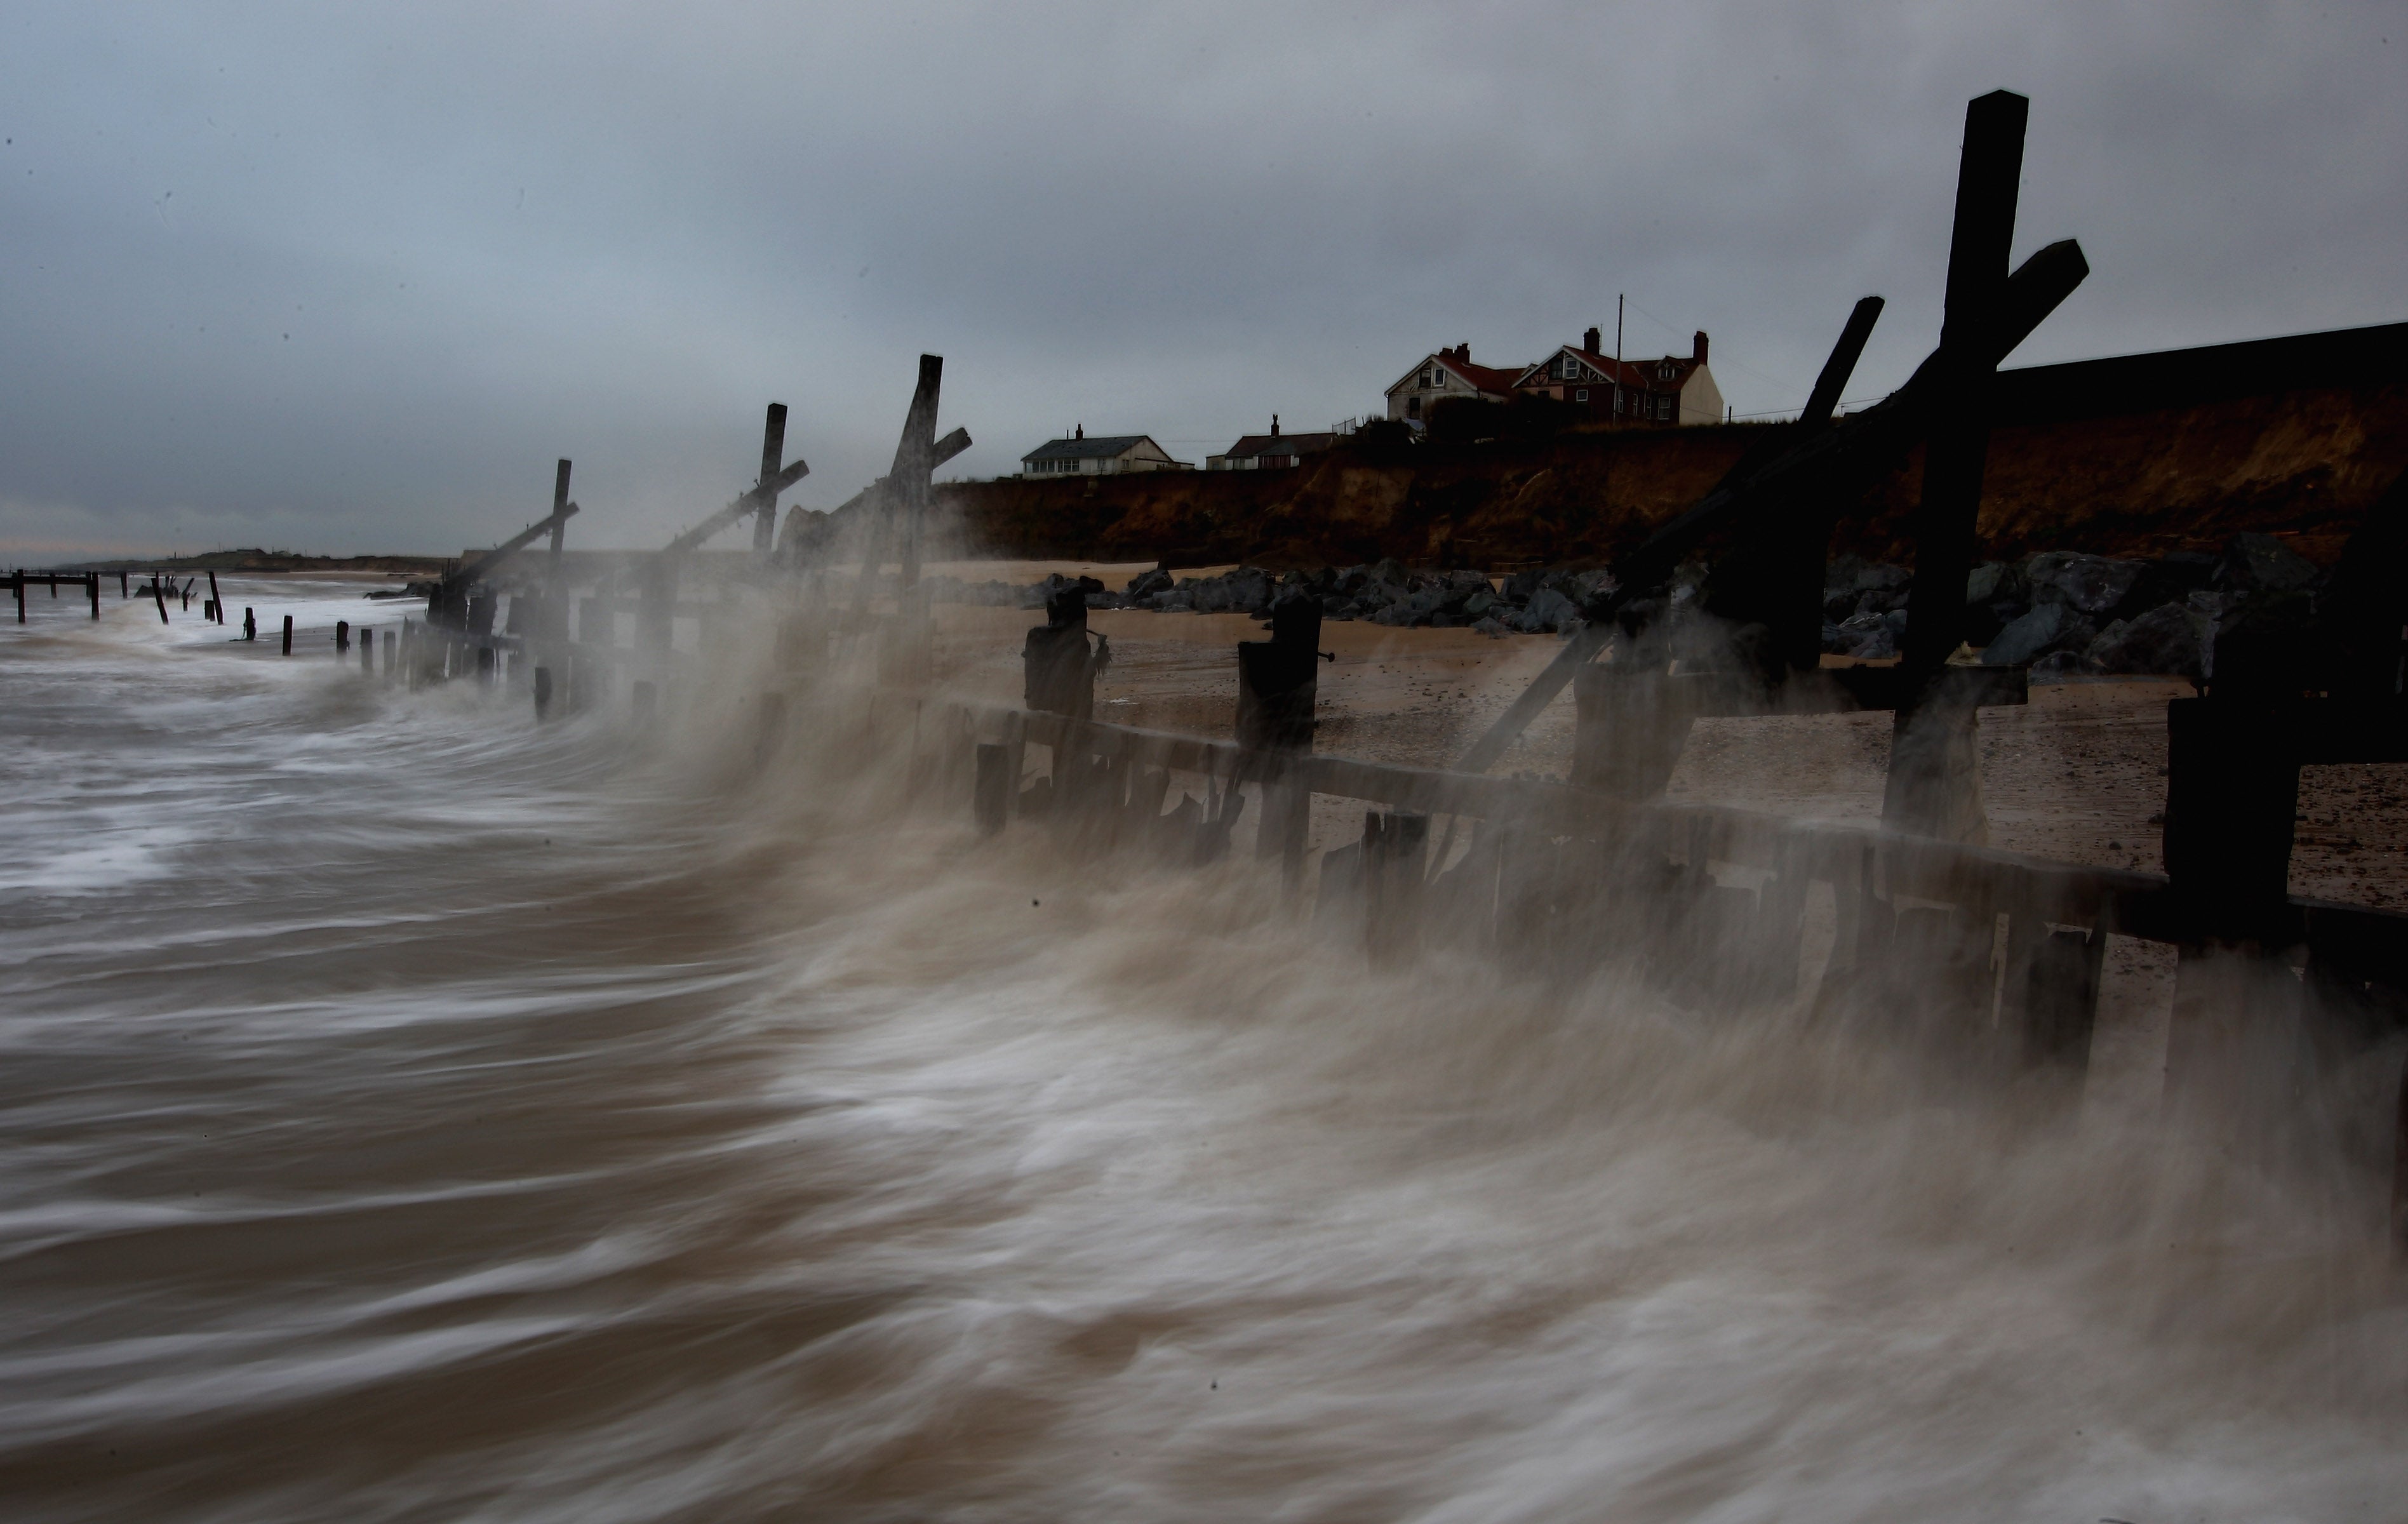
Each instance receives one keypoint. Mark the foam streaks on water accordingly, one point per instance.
(415, 1114)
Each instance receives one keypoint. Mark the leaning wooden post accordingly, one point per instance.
(158, 595)
(1277, 683)
(217, 601)
(1934, 787)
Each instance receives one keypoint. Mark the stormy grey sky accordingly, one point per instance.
(347, 279)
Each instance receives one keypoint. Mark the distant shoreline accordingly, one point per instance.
(256, 561)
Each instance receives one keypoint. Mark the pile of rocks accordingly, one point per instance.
(2059, 613)
(1383, 593)
(2063, 612)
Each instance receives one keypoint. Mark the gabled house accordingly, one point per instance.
(1271, 452)
(1671, 390)
(1445, 375)
(1103, 455)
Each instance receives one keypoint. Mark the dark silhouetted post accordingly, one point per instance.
(249, 625)
(93, 584)
(1278, 681)
(288, 635)
(542, 692)
(20, 581)
(217, 600)
(1057, 670)
(159, 596)
(1934, 787)
(367, 650)
(342, 634)
(991, 797)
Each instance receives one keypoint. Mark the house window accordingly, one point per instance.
(1581, 396)
(1413, 406)
(1663, 372)
(1664, 408)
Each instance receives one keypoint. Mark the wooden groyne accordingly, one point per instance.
(1962, 948)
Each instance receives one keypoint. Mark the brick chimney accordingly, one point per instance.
(1079, 433)
(1593, 340)
(1274, 425)
(1698, 351)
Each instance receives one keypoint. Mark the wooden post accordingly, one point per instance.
(1394, 848)
(991, 795)
(217, 600)
(122, 593)
(1057, 670)
(542, 692)
(1278, 684)
(19, 581)
(1934, 784)
(773, 455)
(288, 635)
(391, 643)
(771, 733)
(93, 584)
(342, 634)
(367, 650)
(249, 625)
(485, 665)
(158, 595)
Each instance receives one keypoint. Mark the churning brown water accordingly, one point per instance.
(413, 1114)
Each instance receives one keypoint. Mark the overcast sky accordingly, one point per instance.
(348, 278)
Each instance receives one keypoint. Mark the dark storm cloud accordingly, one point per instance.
(346, 280)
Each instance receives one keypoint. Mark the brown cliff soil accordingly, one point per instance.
(2304, 465)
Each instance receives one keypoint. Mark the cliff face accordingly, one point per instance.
(2134, 456)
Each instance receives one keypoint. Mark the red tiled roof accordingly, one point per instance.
(1636, 374)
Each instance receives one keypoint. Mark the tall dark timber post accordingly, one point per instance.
(1278, 684)
(1934, 787)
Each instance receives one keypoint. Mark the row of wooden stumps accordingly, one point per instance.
(19, 580)
(1973, 968)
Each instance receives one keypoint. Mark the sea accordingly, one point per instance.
(412, 1110)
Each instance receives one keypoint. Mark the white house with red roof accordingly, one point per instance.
(1446, 376)
(1672, 389)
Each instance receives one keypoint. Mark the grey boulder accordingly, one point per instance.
(2049, 627)
(2093, 584)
